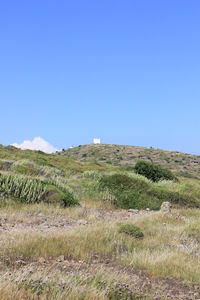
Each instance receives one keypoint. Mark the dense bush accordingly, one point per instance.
(152, 171)
(136, 192)
(57, 196)
(131, 230)
(128, 192)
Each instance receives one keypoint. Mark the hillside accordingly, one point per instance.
(185, 164)
(82, 224)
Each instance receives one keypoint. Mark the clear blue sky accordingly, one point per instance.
(126, 71)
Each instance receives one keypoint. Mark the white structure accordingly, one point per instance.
(97, 141)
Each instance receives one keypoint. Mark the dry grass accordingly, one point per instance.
(170, 248)
(16, 212)
(54, 283)
(98, 241)
(166, 250)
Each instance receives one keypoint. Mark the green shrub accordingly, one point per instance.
(139, 193)
(32, 190)
(54, 195)
(131, 230)
(128, 192)
(152, 171)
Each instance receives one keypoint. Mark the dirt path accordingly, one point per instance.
(47, 224)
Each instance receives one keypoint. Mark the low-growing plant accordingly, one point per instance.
(92, 174)
(131, 230)
(153, 171)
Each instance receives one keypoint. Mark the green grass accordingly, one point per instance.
(132, 230)
(138, 192)
(81, 179)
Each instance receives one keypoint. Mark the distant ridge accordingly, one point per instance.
(185, 164)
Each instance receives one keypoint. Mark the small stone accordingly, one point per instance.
(42, 260)
(166, 207)
(82, 222)
(61, 258)
(20, 263)
(133, 211)
(147, 209)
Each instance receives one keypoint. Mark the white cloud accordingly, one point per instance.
(37, 144)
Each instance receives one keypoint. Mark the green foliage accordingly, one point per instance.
(32, 190)
(131, 230)
(5, 164)
(140, 193)
(92, 175)
(28, 167)
(56, 196)
(81, 180)
(25, 167)
(128, 192)
(152, 171)
(25, 189)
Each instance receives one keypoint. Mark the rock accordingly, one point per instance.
(133, 211)
(147, 209)
(82, 222)
(20, 263)
(42, 260)
(166, 207)
(61, 258)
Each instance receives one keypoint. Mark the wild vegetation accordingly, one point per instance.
(153, 171)
(137, 192)
(92, 229)
(184, 164)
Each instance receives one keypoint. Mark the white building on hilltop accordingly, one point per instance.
(97, 141)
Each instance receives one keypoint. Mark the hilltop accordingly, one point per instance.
(184, 164)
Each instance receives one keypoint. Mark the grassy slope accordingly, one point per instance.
(81, 178)
(66, 164)
(95, 253)
(185, 164)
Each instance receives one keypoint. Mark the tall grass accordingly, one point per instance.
(26, 189)
(161, 252)
(47, 174)
(28, 167)
(60, 182)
